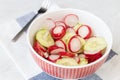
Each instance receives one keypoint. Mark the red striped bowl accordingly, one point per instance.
(68, 72)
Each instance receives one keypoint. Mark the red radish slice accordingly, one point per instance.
(66, 54)
(45, 55)
(55, 49)
(84, 31)
(74, 44)
(54, 58)
(77, 58)
(60, 43)
(70, 30)
(58, 32)
(71, 20)
(93, 56)
(49, 23)
(38, 48)
(60, 23)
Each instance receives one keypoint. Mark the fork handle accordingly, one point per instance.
(24, 28)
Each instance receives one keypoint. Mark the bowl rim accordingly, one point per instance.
(62, 66)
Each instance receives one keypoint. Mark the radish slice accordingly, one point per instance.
(60, 23)
(74, 44)
(54, 58)
(66, 54)
(93, 57)
(70, 30)
(55, 49)
(58, 32)
(38, 46)
(71, 20)
(45, 55)
(60, 43)
(84, 31)
(39, 49)
(48, 23)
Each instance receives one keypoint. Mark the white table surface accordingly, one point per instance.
(108, 10)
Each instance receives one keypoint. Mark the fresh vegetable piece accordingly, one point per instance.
(95, 44)
(70, 30)
(67, 36)
(77, 58)
(67, 62)
(74, 44)
(71, 20)
(53, 58)
(84, 31)
(77, 26)
(60, 23)
(38, 47)
(66, 54)
(93, 57)
(58, 32)
(45, 55)
(48, 23)
(44, 38)
(60, 43)
(82, 55)
(55, 49)
(82, 40)
(83, 61)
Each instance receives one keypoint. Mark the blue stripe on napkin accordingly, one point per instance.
(25, 19)
(44, 76)
(22, 21)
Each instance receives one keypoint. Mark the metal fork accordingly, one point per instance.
(43, 9)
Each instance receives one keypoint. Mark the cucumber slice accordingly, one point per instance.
(83, 61)
(43, 36)
(67, 36)
(82, 41)
(67, 62)
(95, 44)
(77, 26)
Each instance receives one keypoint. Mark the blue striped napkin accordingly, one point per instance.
(22, 21)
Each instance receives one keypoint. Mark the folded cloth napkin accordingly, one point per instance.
(20, 54)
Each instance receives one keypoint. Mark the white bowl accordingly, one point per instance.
(68, 72)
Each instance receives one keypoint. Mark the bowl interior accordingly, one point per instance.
(99, 27)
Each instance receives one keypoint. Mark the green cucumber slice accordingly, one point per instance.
(44, 37)
(67, 36)
(95, 44)
(77, 26)
(67, 62)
